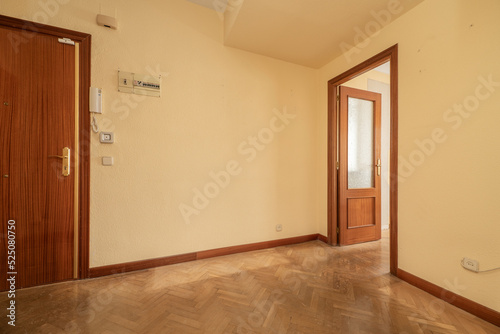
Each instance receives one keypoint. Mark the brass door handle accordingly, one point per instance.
(378, 165)
(66, 155)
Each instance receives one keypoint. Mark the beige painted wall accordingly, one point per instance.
(448, 199)
(214, 99)
(361, 82)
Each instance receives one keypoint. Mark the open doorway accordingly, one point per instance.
(384, 62)
(378, 80)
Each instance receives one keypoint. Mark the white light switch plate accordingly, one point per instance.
(107, 137)
(107, 161)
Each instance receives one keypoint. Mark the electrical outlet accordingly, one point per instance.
(470, 264)
(279, 227)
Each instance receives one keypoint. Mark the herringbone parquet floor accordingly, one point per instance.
(305, 288)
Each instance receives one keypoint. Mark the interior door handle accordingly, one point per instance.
(66, 155)
(378, 165)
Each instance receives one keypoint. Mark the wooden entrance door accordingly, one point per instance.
(37, 114)
(359, 173)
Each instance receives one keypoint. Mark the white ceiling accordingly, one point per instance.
(305, 32)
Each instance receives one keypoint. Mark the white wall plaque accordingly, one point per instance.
(141, 84)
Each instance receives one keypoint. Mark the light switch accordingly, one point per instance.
(107, 161)
(107, 137)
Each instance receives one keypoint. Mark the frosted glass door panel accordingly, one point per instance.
(360, 146)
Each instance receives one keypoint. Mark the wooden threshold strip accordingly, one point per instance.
(163, 261)
(452, 298)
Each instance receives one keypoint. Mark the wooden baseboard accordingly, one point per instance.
(255, 246)
(140, 265)
(163, 261)
(465, 304)
(321, 237)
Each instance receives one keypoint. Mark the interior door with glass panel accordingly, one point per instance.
(359, 166)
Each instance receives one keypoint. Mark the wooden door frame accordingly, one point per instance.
(390, 54)
(30, 28)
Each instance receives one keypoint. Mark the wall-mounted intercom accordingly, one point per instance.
(95, 100)
(95, 106)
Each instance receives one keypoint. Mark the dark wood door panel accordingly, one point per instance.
(40, 198)
(360, 212)
(7, 86)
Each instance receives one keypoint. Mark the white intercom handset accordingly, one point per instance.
(95, 105)
(96, 100)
